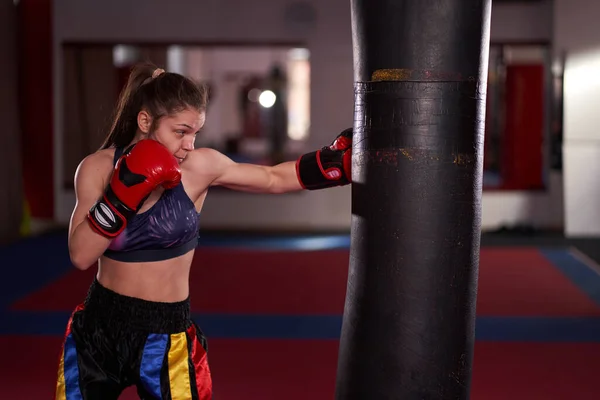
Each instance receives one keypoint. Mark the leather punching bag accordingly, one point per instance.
(420, 71)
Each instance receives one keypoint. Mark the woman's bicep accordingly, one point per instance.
(211, 168)
(239, 176)
(219, 170)
(85, 244)
(88, 184)
(246, 177)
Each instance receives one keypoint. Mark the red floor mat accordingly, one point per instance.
(548, 371)
(522, 282)
(295, 370)
(513, 281)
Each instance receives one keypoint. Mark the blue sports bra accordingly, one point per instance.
(168, 229)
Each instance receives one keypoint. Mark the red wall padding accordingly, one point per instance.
(522, 156)
(36, 104)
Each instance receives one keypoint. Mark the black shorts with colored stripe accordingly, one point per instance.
(114, 341)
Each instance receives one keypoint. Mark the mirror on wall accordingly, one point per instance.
(259, 109)
(259, 103)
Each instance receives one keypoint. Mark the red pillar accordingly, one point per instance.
(522, 162)
(36, 104)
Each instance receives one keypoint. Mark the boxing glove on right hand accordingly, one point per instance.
(141, 169)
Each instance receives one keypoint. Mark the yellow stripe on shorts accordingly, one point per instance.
(179, 370)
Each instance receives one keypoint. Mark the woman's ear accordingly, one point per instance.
(144, 121)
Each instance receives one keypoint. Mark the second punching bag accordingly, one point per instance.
(420, 80)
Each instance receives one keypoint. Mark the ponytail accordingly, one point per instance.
(124, 122)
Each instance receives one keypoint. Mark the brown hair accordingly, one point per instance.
(160, 94)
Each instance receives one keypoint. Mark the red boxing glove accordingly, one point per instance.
(329, 166)
(141, 169)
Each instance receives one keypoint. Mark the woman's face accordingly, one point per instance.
(176, 132)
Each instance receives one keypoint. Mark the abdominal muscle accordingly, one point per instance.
(161, 281)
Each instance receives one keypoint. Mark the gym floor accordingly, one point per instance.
(271, 308)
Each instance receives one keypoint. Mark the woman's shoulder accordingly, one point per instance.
(203, 159)
(99, 162)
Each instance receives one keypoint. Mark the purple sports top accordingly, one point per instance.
(166, 230)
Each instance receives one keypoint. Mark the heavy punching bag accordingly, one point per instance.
(420, 71)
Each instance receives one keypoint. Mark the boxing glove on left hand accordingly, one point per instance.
(141, 169)
(329, 166)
